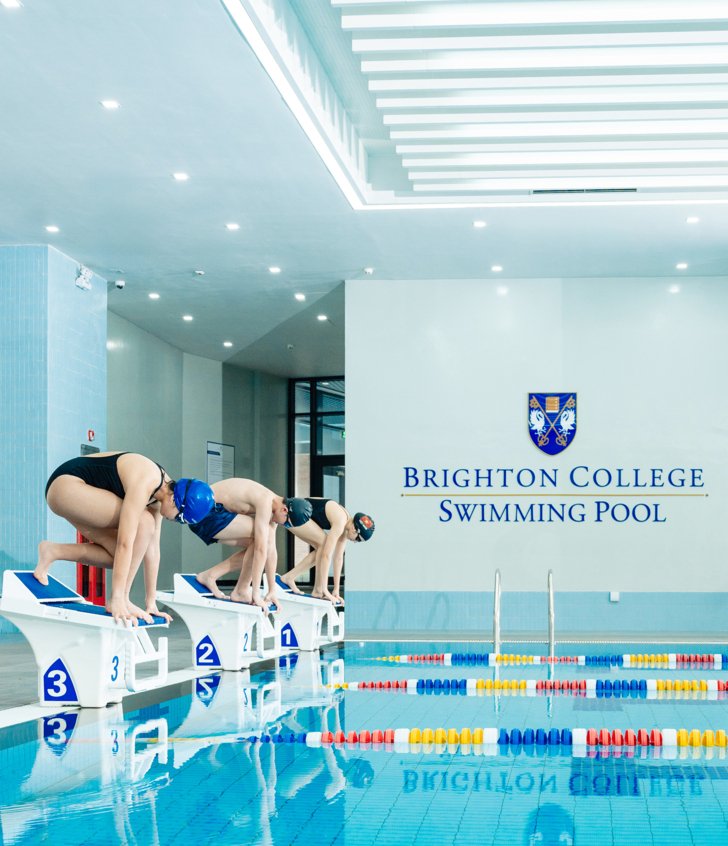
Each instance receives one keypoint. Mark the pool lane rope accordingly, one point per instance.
(667, 660)
(574, 687)
(489, 740)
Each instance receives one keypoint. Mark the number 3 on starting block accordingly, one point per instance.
(57, 684)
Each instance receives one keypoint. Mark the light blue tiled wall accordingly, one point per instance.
(654, 614)
(53, 345)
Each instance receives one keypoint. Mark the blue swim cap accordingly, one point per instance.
(194, 500)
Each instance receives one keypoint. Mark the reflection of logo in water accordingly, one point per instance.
(552, 421)
(549, 825)
(206, 688)
(58, 731)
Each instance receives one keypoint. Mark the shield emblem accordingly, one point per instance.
(552, 421)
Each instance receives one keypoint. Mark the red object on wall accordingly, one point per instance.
(90, 581)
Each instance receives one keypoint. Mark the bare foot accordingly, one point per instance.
(322, 594)
(45, 559)
(244, 595)
(207, 581)
(291, 584)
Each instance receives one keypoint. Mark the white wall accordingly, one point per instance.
(438, 375)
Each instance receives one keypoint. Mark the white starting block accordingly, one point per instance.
(307, 622)
(84, 656)
(226, 635)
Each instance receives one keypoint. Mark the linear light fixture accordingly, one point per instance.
(568, 129)
(569, 157)
(593, 175)
(531, 14)
(499, 83)
(574, 183)
(528, 146)
(538, 98)
(578, 57)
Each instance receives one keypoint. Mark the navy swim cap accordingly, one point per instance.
(364, 526)
(299, 511)
(194, 500)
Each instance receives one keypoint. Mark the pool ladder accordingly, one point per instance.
(496, 612)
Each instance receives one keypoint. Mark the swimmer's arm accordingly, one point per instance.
(323, 557)
(151, 568)
(338, 563)
(271, 565)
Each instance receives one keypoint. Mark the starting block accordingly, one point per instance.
(226, 635)
(306, 622)
(84, 656)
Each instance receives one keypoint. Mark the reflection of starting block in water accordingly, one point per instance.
(225, 635)
(307, 679)
(222, 707)
(306, 622)
(84, 657)
(85, 764)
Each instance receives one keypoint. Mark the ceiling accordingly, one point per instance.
(308, 169)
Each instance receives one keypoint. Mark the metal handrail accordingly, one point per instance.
(551, 612)
(496, 612)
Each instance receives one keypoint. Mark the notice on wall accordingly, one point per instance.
(220, 462)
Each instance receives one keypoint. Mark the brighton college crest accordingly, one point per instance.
(552, 421)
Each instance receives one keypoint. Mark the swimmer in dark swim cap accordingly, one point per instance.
(328, 530)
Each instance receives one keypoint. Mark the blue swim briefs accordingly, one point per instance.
(213, 524)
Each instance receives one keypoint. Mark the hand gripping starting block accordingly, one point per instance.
(226, 635)
(84, 656)
(307, 622)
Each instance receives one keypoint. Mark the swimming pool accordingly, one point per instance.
(226, 763)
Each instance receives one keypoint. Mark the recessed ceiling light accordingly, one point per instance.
(300, 297)
(227, 343)
(479, 224)
(180, 176)
(233, 227)
(274, 269)
(199, 273)
(10, 4)
(681, 265)
(674, 289)
(52, 229)
(111, 105)
(369, 271)
(496, 268)
(322, 317)
(187, 317)
(692, 220)
(502, 291)
(153, 296)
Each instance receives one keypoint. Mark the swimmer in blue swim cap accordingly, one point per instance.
(328, 530)
(117, 500)
(246, 516)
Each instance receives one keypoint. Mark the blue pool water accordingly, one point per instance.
(185, 771)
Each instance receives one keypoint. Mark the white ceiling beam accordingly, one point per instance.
(466, 118)
(499, 83)
(604, 95)
(574, 183)
(572, 157)
(550, 130)
(578, 58)
(566, 12)
(537, 41)
(594, 175)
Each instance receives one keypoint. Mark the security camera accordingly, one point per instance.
(120, 283)
(289, 347)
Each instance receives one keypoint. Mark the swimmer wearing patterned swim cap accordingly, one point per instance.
(327, 531)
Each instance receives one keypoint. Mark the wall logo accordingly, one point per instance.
(552, 421)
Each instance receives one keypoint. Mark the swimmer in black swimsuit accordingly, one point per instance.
(328, 530)
(117, 501)
(246, 515)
